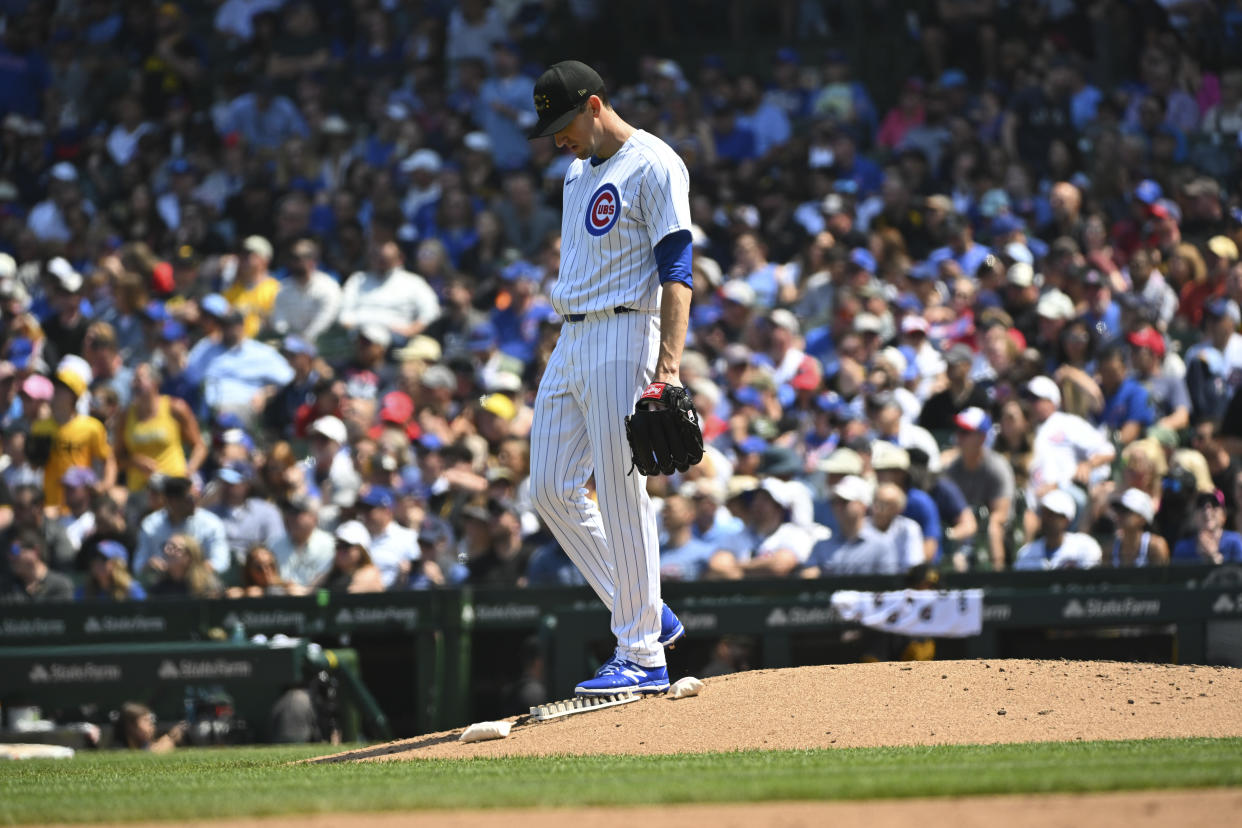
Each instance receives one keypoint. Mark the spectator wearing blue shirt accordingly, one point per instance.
(503, 108)
(266, 120)
(1127, 407)
(24, 72)
(235, 371)
(517, 324)
(713, 523)
(248, 521)
(734, 142)
(961, 246)
(1212, 543)
(683, 557)
(892, 465)
(1103, 314)
(862, 176)
(767, 121)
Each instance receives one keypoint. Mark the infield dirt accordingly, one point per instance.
(871, 705)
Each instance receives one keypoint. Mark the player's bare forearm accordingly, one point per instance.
(674, 321)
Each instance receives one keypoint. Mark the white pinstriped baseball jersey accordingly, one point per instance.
(615, 213)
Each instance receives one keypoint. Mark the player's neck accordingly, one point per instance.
(615, 133)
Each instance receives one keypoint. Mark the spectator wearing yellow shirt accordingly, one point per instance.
(254, 290)
(68, 439)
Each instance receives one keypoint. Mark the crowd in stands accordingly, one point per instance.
(273, 280)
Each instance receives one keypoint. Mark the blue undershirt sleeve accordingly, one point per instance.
(673, 258)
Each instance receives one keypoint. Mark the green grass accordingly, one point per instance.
(259, 781)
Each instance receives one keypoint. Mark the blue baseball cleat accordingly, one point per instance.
(671, 629)
(621, 676)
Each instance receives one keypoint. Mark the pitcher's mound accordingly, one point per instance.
(869, 705)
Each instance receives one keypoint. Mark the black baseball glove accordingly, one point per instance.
(663, 431)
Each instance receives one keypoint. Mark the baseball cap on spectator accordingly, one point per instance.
(952, 79)
(1221, 306)
(782, 318)
(20, 352)
(973, 419)
(376, 334)
(914, 324)
(482, 337)
(37, 387)
(779, 461)
(735, 353)
(505, 382)
(1148, 191)
(1093, 278)
(174, 486)
(1059, 503)
(1215, 497)
(1166, 209)
(362, 385)
(111, 550)
(1139, 502)
(438, 376)
(155, 311)
(862, 257)
(909, 302)
(958, 354)
(397, 408)
(842, 461)
(752, 445)
(78, 476)
(868, 323)
(477, 141)
(259, 245)
(353, 533)
(424, 160)
(520, 269)
(1044, 388)
(808, 376)
(421, 347)
(235, 472)
(332, 428)
(1055, 305)
(64, 171)
(707, 487)
(216, 306)
(735, 290)
(172, 331)
(833, 204)
(376, 496)
(895, 359)
(1148, 338)
(852, 488)
(71, 380)
(779, 490)
(67, 279)
(750, 396)
(294, 344)
(886, 456)
(1020, 274)
(334, 125)
(1223, 247)
(499, 405)
(1019, 252)
(710, 270)
(787, 55)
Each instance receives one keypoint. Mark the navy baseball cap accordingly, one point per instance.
(559, 92)
(376, 496)
(20, 352)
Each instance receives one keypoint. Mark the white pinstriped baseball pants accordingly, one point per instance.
(597, 370)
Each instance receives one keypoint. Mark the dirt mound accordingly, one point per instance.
(868, 705)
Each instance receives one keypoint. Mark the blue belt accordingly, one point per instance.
(578, 317)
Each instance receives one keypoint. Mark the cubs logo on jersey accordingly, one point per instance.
(603, 210)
